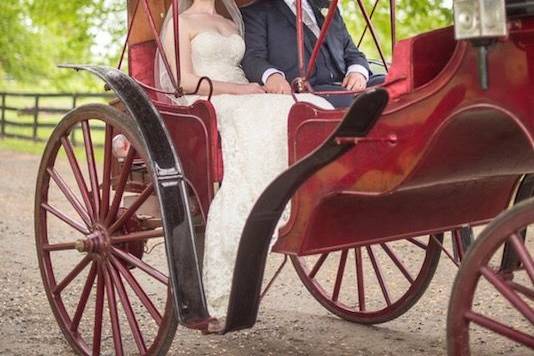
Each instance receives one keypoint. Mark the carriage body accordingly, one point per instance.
(442, 146)
(444, 154)
(434, 142)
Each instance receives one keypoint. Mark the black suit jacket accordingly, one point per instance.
(271, 39)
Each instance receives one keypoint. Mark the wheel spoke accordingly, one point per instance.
(339, 276)
(138, 236)
(123, 296)
(113, 314)
(451, 257)
(84, 298)
(99, 310)
(359, 278)
(75, 167)
(133, 208)
(136, 287)
(121, 185)
(418, 243)
(368, 307)
(67, 192)
(91, 165)
(63, 217)
(378, 275)
(106, 175)
(500, 328)
(60, 247)
(318, 265)
(151, 271)
(72, 275)
(527, 292)
(459, 245)
(397, 262)
(508, 293)
(523, 254)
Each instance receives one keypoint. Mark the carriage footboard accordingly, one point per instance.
(262, 220)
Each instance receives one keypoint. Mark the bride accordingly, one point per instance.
(252, 125)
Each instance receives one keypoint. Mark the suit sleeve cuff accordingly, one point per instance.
(358, 68)
(270, 72)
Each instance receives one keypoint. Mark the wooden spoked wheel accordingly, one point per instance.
(491, 305)
(371, 284)
(99, 240)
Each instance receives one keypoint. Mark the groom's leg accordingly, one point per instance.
(376, 79)
(345, 100)
(337, 100)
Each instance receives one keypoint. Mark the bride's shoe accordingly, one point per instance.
(215, 326)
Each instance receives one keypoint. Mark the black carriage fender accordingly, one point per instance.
(262, 220)
(184, 269)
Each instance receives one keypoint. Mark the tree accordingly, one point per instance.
(413, 17)
(38, 34)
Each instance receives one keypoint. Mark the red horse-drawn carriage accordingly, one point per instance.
(445, 144)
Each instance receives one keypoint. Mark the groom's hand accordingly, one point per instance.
(277, 84)
(355, 81)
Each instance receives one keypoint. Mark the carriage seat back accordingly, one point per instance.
(141, 61)
(420, 59)
(141, 66)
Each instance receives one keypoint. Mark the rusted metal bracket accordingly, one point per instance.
(391, 139)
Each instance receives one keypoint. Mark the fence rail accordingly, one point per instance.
(21, 114)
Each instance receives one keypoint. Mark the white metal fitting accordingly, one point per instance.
(479, 19)
(120, 146)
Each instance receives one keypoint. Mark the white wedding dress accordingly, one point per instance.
(253, 131)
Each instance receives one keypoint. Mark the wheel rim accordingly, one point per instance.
(358, 297)
(508, 320)
(105, 293)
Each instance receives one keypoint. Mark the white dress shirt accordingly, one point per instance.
(355, 68)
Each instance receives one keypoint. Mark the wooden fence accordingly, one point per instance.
(22, 114)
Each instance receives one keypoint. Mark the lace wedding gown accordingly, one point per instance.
(253, 131)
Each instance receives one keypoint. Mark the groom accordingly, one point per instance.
(271, 55)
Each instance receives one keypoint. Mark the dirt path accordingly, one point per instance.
(291, 321)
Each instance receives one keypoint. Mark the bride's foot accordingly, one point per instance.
(215, 326)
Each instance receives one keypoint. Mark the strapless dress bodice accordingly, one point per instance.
(218, 56)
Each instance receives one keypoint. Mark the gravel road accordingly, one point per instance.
(291, 322)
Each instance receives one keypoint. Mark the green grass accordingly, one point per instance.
(22, 146)
(37, 148)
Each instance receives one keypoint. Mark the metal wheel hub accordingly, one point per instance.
(97, 242)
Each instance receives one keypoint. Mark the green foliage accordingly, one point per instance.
(412, 17)
(36, 35)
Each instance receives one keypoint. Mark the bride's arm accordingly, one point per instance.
(189, 80)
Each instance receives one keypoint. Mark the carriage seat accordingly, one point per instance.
(192, 129)
(419, 59)
(141, 61)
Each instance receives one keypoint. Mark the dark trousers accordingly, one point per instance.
(345, 100)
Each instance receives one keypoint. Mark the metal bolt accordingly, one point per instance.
(80, 245)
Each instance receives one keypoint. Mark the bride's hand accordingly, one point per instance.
(252, 88)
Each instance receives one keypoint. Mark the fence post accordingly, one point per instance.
(3, 117)
(35, 118)
(74, 104)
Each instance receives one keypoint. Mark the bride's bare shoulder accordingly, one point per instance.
(186, 18)
(200, 21)
(187, 23)
(192, 18)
